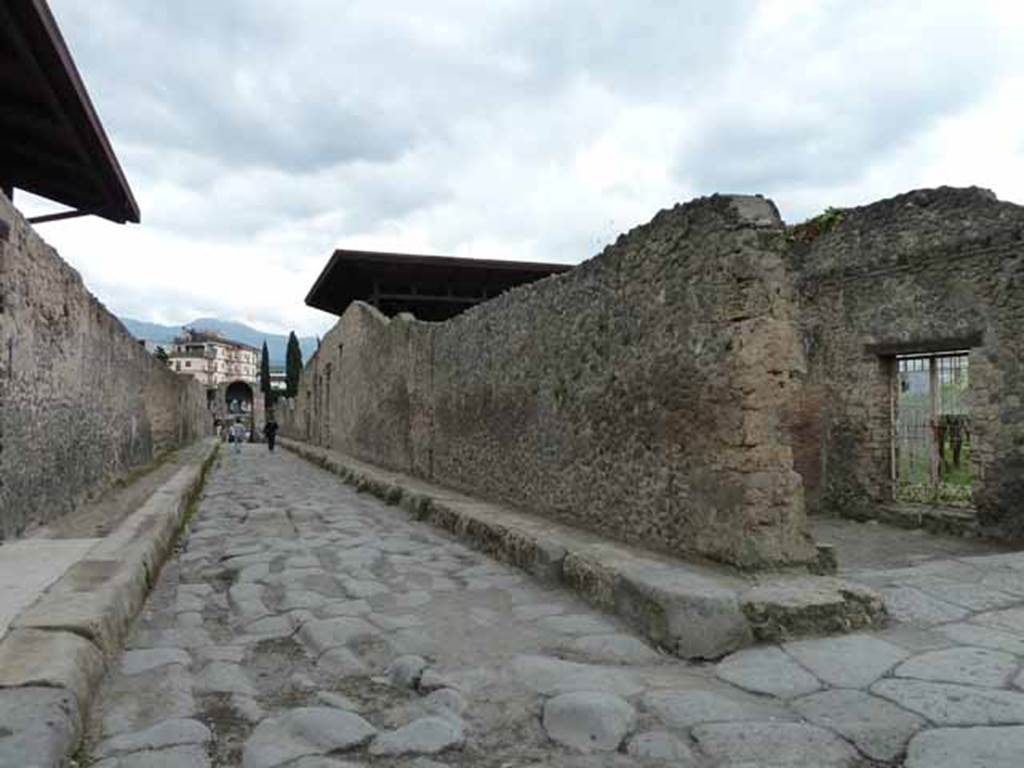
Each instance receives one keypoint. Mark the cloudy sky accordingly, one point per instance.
(258, 135)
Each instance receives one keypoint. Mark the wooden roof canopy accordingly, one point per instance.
(51, 141)
(432, 288)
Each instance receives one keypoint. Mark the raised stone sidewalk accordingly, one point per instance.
(694, 611)
(60, 642)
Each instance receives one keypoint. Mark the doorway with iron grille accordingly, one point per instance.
(931, 446)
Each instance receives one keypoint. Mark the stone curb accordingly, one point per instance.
(57, 650)
(692, 611)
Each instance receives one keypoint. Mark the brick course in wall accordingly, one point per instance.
(81, 402)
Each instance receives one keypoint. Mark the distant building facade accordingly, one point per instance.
(278, 380)
(212, 359)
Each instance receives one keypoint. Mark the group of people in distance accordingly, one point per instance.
(237, 433)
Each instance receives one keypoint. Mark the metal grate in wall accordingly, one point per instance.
(931, 429)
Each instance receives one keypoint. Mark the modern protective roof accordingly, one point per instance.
(430, 287)
(51, 141)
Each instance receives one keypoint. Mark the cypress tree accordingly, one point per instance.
(268, 395)
(292, 365)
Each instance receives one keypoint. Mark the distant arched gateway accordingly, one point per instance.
(238, 397)
(238, 401)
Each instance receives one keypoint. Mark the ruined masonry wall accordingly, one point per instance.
(927, 270)
(81, 402)
(642, 396)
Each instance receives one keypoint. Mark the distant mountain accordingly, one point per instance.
(276, 343)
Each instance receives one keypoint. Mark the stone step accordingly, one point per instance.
(950, 521)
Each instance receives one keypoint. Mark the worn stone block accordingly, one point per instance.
(53, 659)
(38, 726)
(689, 614)
(794, 607)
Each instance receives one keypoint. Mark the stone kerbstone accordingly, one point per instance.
(588, 721)
(540, 556)
(796, 607)
(304, 731)
(767, 670)
(425, 736)
(877, 727)
(952, 704)
(31, 657)
(854, 661)
(970, 666)
(794, 745)
(687, 613)
(594, 580)
(38, 726)
(96, 599)
(981, 747)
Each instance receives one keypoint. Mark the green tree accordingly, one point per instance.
(292, 365)
(268, 394)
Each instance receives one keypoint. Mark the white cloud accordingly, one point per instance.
(259, 136)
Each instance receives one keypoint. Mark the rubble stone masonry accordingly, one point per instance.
(691, 387)
(642, 396)
(81, 402)
(927, 271)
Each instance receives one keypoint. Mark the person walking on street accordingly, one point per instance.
(237, 436)
(270, 430)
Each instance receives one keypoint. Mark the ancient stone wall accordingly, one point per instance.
(81, 402)
(930, 270)
(642, 396)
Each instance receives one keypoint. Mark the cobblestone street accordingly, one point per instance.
(306, 625)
